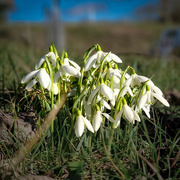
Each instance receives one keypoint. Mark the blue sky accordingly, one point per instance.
(77, 10)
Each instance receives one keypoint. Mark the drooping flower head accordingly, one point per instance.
(40, 75)
(80, 123)
(96, 59)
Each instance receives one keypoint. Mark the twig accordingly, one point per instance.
(175, 159)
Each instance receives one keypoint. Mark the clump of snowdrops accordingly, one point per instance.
(99, 91)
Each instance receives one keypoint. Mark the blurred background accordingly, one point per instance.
(143, 33)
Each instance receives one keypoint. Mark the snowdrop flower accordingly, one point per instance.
(66, 71)
(40, 75)
(69, 68)
(103, 91)
(116, 73)
(98, 57)
(132, 81)
(149, 97)
(52, 58)
(70, 62)
(150, 84)
(97, 120)
(80, 123)
(128, 113)
(55, 84)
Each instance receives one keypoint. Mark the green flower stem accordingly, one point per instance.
(90, 140)
(51, 76)
(101, 68)
(141, 90)
(65, 87)
(80, 81)
(42, 98)
(78, 99)
(88, 52)
(110, 140)
(52, 90)
(123, 77)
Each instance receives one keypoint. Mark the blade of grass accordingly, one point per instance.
(23, 151)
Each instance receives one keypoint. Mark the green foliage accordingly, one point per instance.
(143, 150)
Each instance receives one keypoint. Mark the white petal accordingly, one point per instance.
(100, 56)
(142, 101)
(79, 126)
(39, 63)
(104, 103)
(88, 125)
(124, 91)
(142, 78)
(29, 76)
(106, 91)
(44, 78)
(127, 76)
(108, 117)
(93, 93)
(55, 88)
(113, 100)
(128, 81)
(130, 91)
(161, 99)
(97, 119)
(52, 58)
(157, 90)
(56, 76)
(75, 65)
(150, 98)
(129, 115)
(71, 70)
(136, 116)
(118, 117)
(146, 112)
(116, 92)
(90, 61)
(115, 58)
(31, 84)
(66, 61)
(135, 80)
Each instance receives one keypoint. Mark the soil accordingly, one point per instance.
(21, 128)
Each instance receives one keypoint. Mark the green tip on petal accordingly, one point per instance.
(124, 101)
(51, 48)
(44, 65)
(61, 63)
(115, 66)
(98, 48)
(78, 112)
(101, 80)
(109, 65)
(147, 88)
(65, 55)
(97, 108)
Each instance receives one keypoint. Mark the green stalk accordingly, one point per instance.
(52, 89)
(110, 140)
(43, 112)
(90, 140)
(101, 67)
(88, 52)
